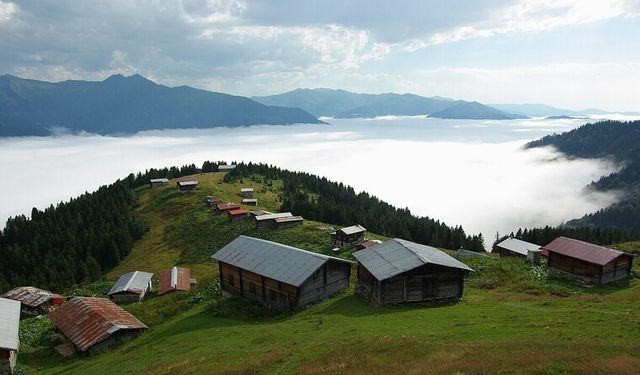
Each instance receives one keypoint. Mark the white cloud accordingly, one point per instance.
(531, 16)
(7, 10)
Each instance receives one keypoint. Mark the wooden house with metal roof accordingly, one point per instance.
(9, 328)
(237, 214)
(348, 236)
(288, 221)
(269, 219)
(586, 262)
(513, 247)
(281, 277)
(250, 201)
(131, 287)
(247, 192)
(92, 324)
(34, 301)
(185, 186)
(155, 182)
(224, 207)
(175, 279)
(399, 271)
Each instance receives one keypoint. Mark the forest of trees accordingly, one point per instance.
(597, 235)
(72, 242)
(317, 198)
(616, 140)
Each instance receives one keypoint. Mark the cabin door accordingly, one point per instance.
(429, 287)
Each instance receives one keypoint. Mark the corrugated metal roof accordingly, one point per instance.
(239, 211)
(518, 246)
(280, 262)
(86, 321)
(159, 180)
(469, 253)
(246, 190)
(288, 219)
(353, 229)
(249, 200)
(397, 256)
(9, 324)
(188, 183)
(135, 282)
(582, 250)
(225, 167)
(273, 216)
(30, 296)
(228, 206)
(174, 279)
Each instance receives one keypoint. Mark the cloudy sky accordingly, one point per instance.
(570, 53)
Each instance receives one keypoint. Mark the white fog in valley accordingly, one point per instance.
(470, 173)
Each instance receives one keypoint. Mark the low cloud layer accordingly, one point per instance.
(475, 174)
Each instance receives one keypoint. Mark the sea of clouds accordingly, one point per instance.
(469, 173)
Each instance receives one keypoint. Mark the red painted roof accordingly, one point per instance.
(173, 279)
(238, 212)
(228, 206)
(582, 250)
(32, 296)
(86, 321)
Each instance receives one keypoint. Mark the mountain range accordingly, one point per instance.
(126, 105)
(345, 104)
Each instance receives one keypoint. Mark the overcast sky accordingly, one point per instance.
(569, 53)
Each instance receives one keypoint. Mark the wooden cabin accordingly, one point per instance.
(269, 219)
(281, 277)
(92, 324)
(250, 201)
(401, 272)
(246, 192)
(34, 301)
(175, 279)
(224, 207)
(288, 222)
(213, 202)
(513, 247)
(9, 341)
(349, 236)
(226, 167)
(155, 182)
(585, 262)
(185, 186)
(238, 214)
(131, 287)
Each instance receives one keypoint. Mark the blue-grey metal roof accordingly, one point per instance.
(135, 282)
(9, 323)
(518, 246)
(397, 256)
(280, 262)
(469, 253)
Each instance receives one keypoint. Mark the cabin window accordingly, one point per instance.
(232, 281)
(273, 296)
(252, 288)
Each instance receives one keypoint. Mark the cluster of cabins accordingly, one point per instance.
(86, 324)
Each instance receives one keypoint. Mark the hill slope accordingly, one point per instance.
(126, 105)
(511, 318)
(472, 111)
(345, 104)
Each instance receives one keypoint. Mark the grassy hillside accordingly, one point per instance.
(512, 319)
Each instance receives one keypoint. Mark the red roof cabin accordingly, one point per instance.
(236, 215)
(223, 207)
(34, 301)
(585, 262)
(174, 279)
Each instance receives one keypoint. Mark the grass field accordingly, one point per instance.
(512, 319)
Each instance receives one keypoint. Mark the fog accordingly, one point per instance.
(470, 173)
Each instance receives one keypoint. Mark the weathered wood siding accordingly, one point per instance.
(340, 239)
(585, 272)
(422, 284)
(126, 297)
(619, 269)
(325, 282)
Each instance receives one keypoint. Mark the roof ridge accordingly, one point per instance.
(318, 255)
(128, 284)
(590, 244)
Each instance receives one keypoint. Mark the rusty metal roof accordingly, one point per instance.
(237, 212)
(518, 246)
(86, 321)
(30, 296)
(352, 229)
(228, 206)
(397, 256)
(174, 279)
(582, 250)
(134, 282)
(9, 324)
(274, 260)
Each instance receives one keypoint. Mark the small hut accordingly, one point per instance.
(250, 201)
(246, 192)
(585, 262)
(224, 207)
(288, 221)
(513, 247)
(94, 324)
(9, 327)
(348, 236)
(269, 219)
(155, 182)
(399, 271)
(175, 279)
(131, 287)
(34, 301)
(238, 214)
(281, 277)
(226, 167)
(185, 186)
